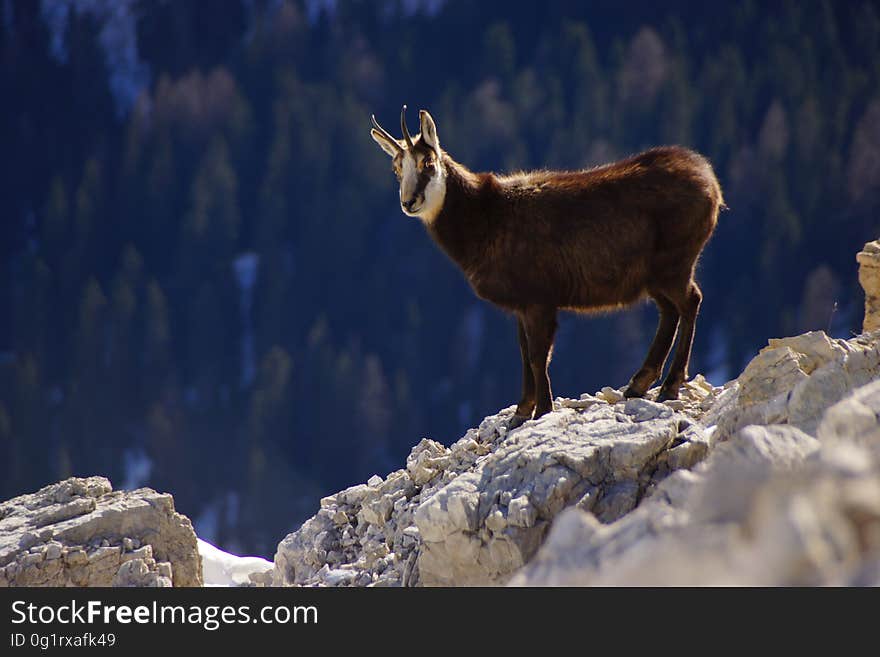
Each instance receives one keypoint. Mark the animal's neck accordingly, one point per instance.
(462, 225)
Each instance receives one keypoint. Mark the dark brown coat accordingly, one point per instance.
(597, 239)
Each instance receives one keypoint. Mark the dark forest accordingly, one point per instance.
(208, 287)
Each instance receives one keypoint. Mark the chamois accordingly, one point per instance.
(589, 240)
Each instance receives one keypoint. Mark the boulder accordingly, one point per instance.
(79, 532)
(772, 506)
(869, 277)
(794, 380)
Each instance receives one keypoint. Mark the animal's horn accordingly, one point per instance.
(403, 128)
(385, 133)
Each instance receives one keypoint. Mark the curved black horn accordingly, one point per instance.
(385, 133)
(403, 128)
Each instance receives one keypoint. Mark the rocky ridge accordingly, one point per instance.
(772, 506)
(476, 512)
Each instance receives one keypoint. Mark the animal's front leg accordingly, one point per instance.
(540, 326)
(526, 404)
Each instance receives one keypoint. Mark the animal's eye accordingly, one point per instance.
(428, 164)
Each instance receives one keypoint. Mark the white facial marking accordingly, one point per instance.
(409, 178)
(428, 206)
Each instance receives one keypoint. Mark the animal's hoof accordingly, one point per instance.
(631, 392)
(517, 421)
(667, 395)
(539, 412)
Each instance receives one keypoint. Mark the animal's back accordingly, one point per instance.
(598, 237)
(658, 180)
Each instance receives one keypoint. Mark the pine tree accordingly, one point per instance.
(13, 467)
(79, 256)
(85, 407)
(32, 321)
(124, 342)
(56, 228)
(270, 405)
(374, 416)
(210, 229)
(157, 354)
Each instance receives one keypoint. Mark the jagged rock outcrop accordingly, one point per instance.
(477, 511)
(869, 277)
(489, 521)
(793, 380)
(79, 532)
(770, 506)
(603, 467)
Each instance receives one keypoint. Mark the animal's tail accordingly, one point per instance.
(721, 204)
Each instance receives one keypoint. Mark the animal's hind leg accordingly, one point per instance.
(527, 402)
(540, 326)
(653, 366)
(688, 305)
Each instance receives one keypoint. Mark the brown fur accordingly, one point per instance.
(534, 243)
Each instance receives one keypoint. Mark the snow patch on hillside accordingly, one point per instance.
(220, 568)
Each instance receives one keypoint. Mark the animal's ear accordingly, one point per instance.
(391, 148)
(429, 130)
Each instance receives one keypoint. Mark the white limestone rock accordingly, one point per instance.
(771, 506)
(631, 491)
(794, 380)
(78, 532)
(476, 511)
(869, 277)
